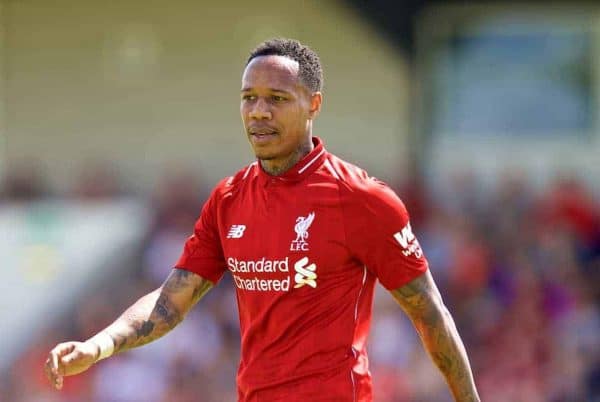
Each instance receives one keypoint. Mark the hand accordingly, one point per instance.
(69, 358)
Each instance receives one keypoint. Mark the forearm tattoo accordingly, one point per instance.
(158, 312)
(422, 302)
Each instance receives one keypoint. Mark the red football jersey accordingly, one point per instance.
(304, 250)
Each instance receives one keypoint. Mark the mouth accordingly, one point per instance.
(261, 130)
(262, 134)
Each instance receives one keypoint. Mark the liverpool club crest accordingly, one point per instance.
(301, 228)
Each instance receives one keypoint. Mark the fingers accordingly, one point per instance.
(67, 359)
(53, 367)
(52, 372)
(58, 352)
(54, 357)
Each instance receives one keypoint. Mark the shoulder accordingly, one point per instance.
(373, 214)
(357, 185)
(347, 173)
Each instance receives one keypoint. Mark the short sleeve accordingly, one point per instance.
(202, 252)
(379, 234)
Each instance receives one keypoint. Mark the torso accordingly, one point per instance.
(297, 284)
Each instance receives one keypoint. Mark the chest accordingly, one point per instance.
(283, 231)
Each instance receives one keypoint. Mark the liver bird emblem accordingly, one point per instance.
(302, 225)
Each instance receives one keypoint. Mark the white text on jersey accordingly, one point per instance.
(408, 241)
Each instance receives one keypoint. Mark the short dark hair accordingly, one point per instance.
(309, 65)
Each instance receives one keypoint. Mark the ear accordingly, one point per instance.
(315, 104)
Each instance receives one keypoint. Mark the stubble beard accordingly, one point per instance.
(295, 157)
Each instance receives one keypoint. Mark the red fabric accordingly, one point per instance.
(304, 337)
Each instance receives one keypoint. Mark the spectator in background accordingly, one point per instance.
(24, 182)
(175, 204)
(97, 181)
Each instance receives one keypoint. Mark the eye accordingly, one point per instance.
(248, 97)
(278, 98)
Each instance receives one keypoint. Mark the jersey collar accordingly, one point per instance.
(303, 168)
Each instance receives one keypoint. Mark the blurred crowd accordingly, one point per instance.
(518, 266)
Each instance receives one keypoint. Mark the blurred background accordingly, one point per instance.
(117, 119)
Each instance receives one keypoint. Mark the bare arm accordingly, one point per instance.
(422, 302)
(149, 318)
(158, 312)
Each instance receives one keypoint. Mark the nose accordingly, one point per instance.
(260, 110)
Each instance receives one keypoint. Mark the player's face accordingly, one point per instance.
(277, 109)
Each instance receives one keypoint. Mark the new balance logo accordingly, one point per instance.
(236, 231)
(409, 242)
(305, 275)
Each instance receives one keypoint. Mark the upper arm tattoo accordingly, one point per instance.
(419, 295)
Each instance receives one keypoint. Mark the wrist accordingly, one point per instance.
(104, 343)
(98, 351)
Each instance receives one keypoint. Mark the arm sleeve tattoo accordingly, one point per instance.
(422, 302)
(158, 312)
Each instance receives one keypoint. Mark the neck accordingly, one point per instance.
(279, 167)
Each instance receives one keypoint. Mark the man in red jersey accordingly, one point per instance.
(305, 236)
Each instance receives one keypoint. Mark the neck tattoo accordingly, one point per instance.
(286, 165)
